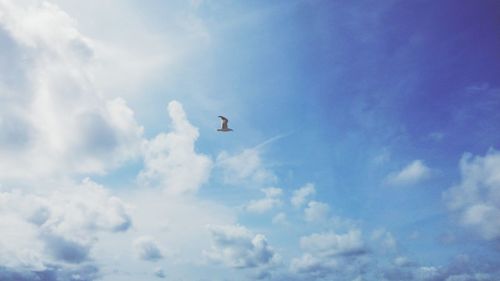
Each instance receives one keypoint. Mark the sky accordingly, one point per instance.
(365, 147)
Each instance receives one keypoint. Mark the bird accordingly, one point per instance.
(224, 127)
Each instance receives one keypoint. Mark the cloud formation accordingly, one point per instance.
(300, 195)
(329, 252)
(235, 246)
(270, 201)
(476, 199)
(57, 228)
(170, 159)
(56, 121)
(316, 211)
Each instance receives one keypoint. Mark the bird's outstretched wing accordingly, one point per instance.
(224, 122)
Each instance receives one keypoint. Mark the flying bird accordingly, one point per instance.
(224, 127)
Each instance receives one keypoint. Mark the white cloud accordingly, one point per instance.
(316, 211)
(237, 247)
(146, 248)
(333, 244)
(57, 121)
(19, 246)
(313, 265)
(329, 252)
(170, 160)
(129, 51)
(178, 225)
(270, 201)
(300, 195)
(57, 227)
(413, 173)
(476, 199)
(245, 167)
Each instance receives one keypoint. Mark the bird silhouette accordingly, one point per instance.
(224, 127)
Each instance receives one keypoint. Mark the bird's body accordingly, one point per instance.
(224, 127)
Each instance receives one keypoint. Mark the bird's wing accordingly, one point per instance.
(224, 122)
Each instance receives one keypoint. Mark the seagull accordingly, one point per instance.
(224, 127)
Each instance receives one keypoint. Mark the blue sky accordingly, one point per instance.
(365, 142)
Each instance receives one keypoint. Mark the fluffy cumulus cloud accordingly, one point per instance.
(170, 159)
(413, 173)
(270, 201)
(476, 199)
(300, 195)
(328, 253)
(237, 247)
(42, 232)
(54, 118)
